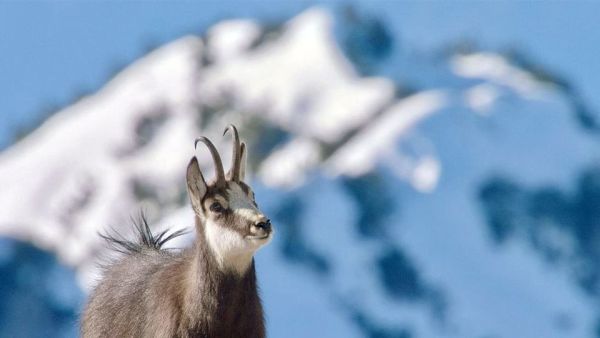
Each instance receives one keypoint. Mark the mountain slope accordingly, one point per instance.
(381, 196)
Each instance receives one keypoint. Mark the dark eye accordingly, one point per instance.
(217, 207)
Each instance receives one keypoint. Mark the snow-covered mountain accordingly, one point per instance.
(463, 207)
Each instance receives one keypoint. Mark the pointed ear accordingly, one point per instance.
(196, 185)
(243, 161)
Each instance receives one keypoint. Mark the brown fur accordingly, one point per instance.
(152, 292)
(156, 293)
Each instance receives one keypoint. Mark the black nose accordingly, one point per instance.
(265, 225)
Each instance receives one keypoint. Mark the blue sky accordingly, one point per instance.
(53, 52)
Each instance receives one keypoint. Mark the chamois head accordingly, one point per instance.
(229, 218)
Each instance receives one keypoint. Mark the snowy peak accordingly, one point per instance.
(73, 174)
(386, 202)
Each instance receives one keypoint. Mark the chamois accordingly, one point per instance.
(207, 290)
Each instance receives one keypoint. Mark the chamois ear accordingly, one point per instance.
(243, 157)
(196, 185)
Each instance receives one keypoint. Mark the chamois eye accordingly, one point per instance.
(217, 207)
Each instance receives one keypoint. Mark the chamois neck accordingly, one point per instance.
(205, 271)
(223, 295)
(213, 242)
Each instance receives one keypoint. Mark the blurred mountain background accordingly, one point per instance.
(431, 169)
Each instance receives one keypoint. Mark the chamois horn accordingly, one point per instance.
(216, 159)
(236, 157)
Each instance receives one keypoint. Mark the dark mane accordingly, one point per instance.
(145, 238)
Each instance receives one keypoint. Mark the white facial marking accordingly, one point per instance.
(232, 251)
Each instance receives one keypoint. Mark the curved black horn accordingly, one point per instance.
(234, 172)
(216, 158)
(243, 159)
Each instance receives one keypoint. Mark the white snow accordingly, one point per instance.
(301, 82)
(361, 154)
(481, 98)
(496, 69)
(229, 39)
(289, 165)
(83, 149)
(74, 175)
